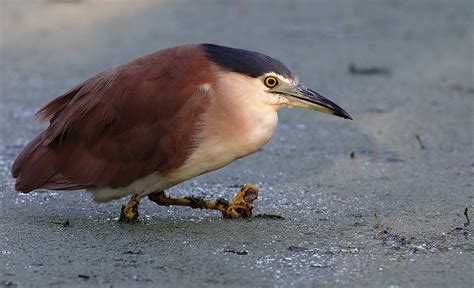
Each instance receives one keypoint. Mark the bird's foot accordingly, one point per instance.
(241, 205)
(129, 212)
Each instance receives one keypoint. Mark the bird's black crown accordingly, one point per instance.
(247, 62)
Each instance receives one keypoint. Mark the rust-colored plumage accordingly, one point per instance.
(145, 126)
(120, 125)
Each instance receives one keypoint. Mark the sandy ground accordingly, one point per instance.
(411, 142)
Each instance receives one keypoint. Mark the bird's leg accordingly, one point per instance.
(129, 212)
(239, 207)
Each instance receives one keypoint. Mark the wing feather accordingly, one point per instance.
(120, 125)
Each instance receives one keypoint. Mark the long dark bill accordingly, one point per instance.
(317, 102)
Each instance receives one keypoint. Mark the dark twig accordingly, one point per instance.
(243, 252)
(418, 138)
(466, 214)
(379, 226)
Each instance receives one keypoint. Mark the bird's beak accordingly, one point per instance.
(310, 99)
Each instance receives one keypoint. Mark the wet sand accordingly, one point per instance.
(403, 70)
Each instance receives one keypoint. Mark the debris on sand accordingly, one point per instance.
(382, 234)
(62, 223)
(83, 276)
(243, 252)
(368, 71)
(462, 230)
(413, 245)
(466, 214)
(418, 138)
(130, 252)
(392, 239)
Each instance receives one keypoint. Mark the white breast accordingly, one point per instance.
(222, 142)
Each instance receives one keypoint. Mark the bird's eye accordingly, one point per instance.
(271, 81)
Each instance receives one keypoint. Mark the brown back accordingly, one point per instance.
(120, 125)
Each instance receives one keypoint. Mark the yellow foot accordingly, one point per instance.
(129, 212)
(241, 205)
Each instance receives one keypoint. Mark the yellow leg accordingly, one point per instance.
(239, 207)
(129, 212)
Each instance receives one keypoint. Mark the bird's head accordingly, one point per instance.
(272, 79)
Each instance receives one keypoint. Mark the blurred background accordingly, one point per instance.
(378, 201)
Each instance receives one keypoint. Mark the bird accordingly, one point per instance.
(140, 128)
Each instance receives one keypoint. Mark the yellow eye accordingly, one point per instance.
(271, 81)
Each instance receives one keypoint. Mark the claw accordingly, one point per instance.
(129, 212)
(241, 205)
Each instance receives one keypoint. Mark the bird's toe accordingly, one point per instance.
(128, 214)
(241, 205)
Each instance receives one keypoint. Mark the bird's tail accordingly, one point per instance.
(34, 168)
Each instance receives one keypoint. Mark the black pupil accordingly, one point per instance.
(271, 81)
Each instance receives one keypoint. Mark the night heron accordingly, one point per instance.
(145, 126)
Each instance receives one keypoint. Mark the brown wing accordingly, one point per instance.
(120, 125)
